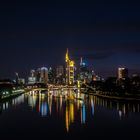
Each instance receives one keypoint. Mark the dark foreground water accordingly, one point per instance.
(31, 116)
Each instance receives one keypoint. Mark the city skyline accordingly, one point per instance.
(36, 34)
(102, 73)
(69, 69)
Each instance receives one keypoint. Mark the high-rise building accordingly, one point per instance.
(44, 75)
(38, 75)
(21, 81)
(122, 73)
(60, 78)
(60, 71)
(17, 78)
(51, 76)
(32, 77)
(33, 73)
(82, 63)
(85, 73)
(70, 68)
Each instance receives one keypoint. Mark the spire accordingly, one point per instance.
(67, 51)
(67, 55)
(81, 62)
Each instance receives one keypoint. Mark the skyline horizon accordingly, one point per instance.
(37, 33)
(102, 73)
(93, 88)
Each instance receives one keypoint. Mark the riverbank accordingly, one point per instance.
(14, 94)
(126, 98)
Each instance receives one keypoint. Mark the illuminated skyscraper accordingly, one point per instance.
(60, 77)
(38, 73)
(33, 73)
(44, 75)
(32, 78)
(69, 70)
(59, 71)
(85, 73)
(17, 78)
(38, 76)
(51, 75)
(122, 73)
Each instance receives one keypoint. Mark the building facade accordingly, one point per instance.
(85, 73)
(70, 69)
(44, 75)
(122, 73)
(38, 76)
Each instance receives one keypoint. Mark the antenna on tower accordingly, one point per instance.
(81, 62)
(67, 55)
(67, 51)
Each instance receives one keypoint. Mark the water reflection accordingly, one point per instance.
(124, 108)
(4, 105)
(62, 106)
(69, 110)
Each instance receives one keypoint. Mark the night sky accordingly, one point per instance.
(36, 33)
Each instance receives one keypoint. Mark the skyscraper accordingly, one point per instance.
(38, 76)
(44, 75)
(33, 73)
(32, 78)
(17, 78)
(51, 75)
(60, 77)
(70, 68)
(122, 73)
(59, 71)
(85, 73)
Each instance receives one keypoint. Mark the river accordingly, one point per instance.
(37, 116)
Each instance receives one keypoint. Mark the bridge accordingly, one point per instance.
(68, 92)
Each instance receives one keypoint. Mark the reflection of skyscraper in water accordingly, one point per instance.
(43, 106)
(123, 108)
(36, 101)
(69, 115)
(61, 103)
(122, 112)
(83, 114)
(50, 104)
(14, 102)
(44, 109)
(92, 107)
(67, 119)
(5, 106)
(18, 100)
(32, 101)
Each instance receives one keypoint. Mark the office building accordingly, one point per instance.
(122, 73)
(70, 69)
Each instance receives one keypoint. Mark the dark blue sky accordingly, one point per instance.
(37, 33)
